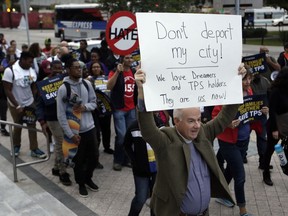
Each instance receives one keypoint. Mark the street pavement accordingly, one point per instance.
(38, 192)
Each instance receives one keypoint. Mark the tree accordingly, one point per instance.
(146, 5)
(277, 3)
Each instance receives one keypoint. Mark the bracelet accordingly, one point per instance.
(18, 107)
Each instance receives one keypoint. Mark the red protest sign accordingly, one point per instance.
(121, 33)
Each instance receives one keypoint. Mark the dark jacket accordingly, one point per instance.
(45, 112)
(83, 58)
(173, 160)
(117, 93)
(136, 148)
(282, 60)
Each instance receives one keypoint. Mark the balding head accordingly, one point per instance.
(264, 49)
(188, 122)
(64, 50)
(63, 44)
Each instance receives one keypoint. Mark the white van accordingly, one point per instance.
(262, 16)
(280, 21)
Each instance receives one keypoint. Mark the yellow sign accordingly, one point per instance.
(8, 3)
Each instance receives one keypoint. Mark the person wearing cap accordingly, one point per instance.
(47, 50)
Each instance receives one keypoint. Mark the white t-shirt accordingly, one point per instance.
(21, 84)
(53, 58)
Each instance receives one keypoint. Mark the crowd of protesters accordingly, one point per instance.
(99, 86)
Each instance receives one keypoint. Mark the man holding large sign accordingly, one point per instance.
(188, 172)
(188, 74)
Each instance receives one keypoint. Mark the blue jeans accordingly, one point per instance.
(143, 188)
(233, 155)
(122, 120)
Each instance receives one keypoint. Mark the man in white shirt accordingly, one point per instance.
(14, 45)
(17, 82)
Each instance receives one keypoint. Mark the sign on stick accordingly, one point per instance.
(121, 33)
(190, 59)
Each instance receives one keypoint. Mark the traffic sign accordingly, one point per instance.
(121, 33)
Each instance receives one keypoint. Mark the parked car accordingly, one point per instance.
(280, 21)
(75, 45)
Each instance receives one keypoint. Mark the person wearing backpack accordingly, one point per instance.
(19, 84)
(83, 99)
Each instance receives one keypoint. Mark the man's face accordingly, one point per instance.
(56, 69)
(26, 63)
(13, 44)
(75, 70)
(10, 51)
(264, 50)
(189, 124)
(83, 45)
(127, 60)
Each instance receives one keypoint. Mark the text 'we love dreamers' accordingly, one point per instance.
(193, 75)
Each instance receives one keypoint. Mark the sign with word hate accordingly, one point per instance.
(121, 33)
(190, 59)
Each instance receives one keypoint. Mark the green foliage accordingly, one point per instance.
(273, 38)
(254, 33)
(146, 5)
(277, 3)
(284, 36)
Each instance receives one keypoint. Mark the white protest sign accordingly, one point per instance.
(190, 59)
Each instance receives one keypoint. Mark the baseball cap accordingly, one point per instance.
(47, 41)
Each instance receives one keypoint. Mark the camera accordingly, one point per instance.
(73, 100)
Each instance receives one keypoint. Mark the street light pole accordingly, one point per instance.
(237, 7)
(27, 21)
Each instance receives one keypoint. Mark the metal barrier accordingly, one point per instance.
(15, 165)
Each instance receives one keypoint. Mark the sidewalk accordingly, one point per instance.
(38, 189)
